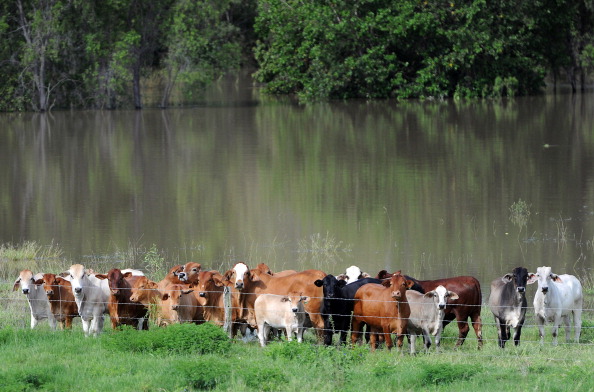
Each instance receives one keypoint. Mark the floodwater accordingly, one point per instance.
(426, 187)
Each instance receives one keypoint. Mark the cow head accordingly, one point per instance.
(143, 290)
(440, 296)
(189, 272)
(115, 279)
(519, 277)
(49, 282)
(353, 273)
(296, 300)
(332, 286)
(208, 282)
(399, 284)
(265, 269)
(78, 275)
(26, 281)
(237, 276)
(543, 276)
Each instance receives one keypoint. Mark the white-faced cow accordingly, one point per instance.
(92, 297)
(282, 312)
(427, 312)
(557, 297)
(508, 304)
(36, 298)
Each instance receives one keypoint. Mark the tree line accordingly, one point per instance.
(103, 53)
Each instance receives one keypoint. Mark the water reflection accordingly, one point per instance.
(423, 187)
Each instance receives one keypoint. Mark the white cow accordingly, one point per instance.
(36, 297)
(426, 315)
(557, 297)
(92, 296)
(282, 312)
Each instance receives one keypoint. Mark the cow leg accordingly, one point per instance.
(388, 338)
(567, 324)
(34, 322)
(86, 324)
(328, 331)
(263, 330)
(477, 324)
(427, 340)
(555, 329)
(501, 338)
(577, 322)
(463, 329)
(356, 330)
(412, 341)
(541, 330)
(517, 334)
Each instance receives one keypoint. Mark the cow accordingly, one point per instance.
(337, 305)
(264, 268)
(353, 273)
(508, 304)
(144, 291)
(557, 297)
(122, 310)
(189, 273)
(384, 308)
(248, 284)
(61, 299)
(36, 298)
(468, 304)
(179, 305)
(426, 315)
(210, 295)
(282, 312)
(91, 294)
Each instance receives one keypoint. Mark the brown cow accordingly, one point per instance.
(252, 283)
(468, 304)
(145, 291)
(384, 308)
(122, 310)
(264, 268)
(179, 305)
(62, 303)
(189, 273)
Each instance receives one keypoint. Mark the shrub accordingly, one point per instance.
(443, 373)
(317, 355)
(205, 372)
(175, 339)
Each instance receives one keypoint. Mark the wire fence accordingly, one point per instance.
(15, 311)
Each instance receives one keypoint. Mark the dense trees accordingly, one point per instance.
(103, 53)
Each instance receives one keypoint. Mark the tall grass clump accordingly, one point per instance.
(29, 255)
(321, 251)
(177, 338)
(519, 213)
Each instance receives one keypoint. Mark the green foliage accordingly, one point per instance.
(178, 338)
(439, 374)
(154, 261)
(204, 373)
(317, 355)
(519, 213)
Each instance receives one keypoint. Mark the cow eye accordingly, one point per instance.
(194, 269)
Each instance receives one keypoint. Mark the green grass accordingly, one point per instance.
(67, 361)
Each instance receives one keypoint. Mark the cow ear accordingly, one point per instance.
(39, 281)
(227, 276)
(409, 284)
(284, 299)
(430, 294)
(128, 274)
(556, 278)
(101, 276)
(387, 283)
(254, 277)
(507, 278)
(218, 280)
(341, 283)
(152, 285)
(319, 283)
(453, 296)
(64, 274)
(532, 277)
(59, 280)
(16, 284)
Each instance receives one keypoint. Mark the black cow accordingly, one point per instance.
(508, 304)
(338, 305)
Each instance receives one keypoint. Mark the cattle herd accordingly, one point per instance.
(246, 300)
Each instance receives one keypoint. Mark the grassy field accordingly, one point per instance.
(188, 357)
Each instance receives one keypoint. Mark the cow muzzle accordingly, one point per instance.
(545, 290)
(521, 289)
(77, 290)
(396, 294)
(441, 306)
(295, 310)
(25, 291)
(239, 285)
(182, 276)
(49, 292)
